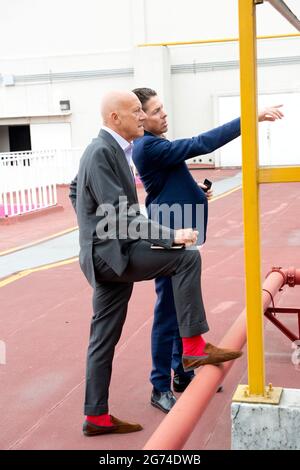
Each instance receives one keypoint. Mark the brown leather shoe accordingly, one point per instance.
(212, 355)
(119, 427)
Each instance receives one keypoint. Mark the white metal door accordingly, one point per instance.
(278, 141)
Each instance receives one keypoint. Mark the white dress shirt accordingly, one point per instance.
(126, 146)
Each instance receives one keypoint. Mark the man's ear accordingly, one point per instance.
(115, 117)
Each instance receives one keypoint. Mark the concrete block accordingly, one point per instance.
(257, 426)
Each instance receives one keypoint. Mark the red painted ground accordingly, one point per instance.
(44, 321)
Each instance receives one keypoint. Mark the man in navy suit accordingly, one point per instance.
(167, 180)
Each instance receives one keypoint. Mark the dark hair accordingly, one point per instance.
(144, 94)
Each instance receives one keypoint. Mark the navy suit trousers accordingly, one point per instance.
(166, 343)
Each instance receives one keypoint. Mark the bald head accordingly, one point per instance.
(122, 112)
(114, 101)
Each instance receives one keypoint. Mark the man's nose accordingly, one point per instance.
(143, 116)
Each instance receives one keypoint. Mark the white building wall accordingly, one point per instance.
(175, 20)
(32, 28)
(62, 27)
(50, 136)
(40, 98)
(39, 40)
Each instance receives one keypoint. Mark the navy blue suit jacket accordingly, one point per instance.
(167, 179)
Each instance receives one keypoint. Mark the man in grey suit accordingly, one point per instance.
(116, 250)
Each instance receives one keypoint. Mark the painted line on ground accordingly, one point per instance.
(43, 267)
(226, 193)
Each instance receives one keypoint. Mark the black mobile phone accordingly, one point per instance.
(208, 184)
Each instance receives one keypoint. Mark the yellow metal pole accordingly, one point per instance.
(248, 84)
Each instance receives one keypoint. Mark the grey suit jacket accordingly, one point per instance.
(103, 177)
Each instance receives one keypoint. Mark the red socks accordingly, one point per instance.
(100, 420)
(193, 346)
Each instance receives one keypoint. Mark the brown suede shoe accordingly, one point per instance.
(119, 427)
(212, 355)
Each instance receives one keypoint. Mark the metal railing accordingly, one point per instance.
(28, 179)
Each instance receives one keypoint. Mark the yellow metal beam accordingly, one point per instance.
(279, 174)
(211, 41)
(248, 85)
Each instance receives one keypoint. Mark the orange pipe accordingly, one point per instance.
(178, 425)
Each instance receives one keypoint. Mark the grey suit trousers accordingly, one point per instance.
(110, 300)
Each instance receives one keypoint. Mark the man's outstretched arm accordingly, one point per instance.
(164, 153)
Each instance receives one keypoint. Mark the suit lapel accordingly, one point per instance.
(125, 173)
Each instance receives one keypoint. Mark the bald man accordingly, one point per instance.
(117, 248)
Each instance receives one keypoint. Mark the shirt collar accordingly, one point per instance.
(124, 144)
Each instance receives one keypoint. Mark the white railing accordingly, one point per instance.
(28, 179)
(65, 164)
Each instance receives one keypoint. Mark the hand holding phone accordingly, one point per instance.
(208, 185)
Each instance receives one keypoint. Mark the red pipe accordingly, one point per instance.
(175, 429)
(291, 276)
